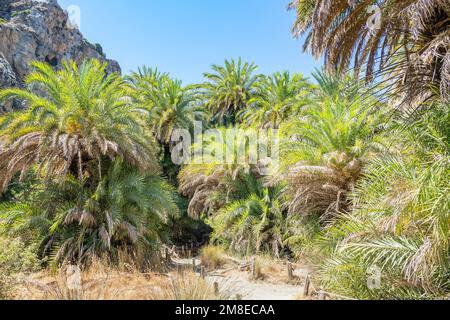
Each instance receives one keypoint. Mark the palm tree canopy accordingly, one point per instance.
(400, 220)
(77, 116)
(228, 89)
(170, 106)
(217, 167)
(407, 40)
(283, 96)
(125, 210)
(324, 150)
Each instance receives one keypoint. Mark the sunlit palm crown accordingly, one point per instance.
(206, 174)
(283, 96)
(74, 117)
(229, 89)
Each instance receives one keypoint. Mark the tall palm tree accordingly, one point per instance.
(324, 151)
(401, 218)
(145, 80)
(229, 89)
(169, 107)
(252, 223)
(78, 119)
(283, 96)
(406, 40)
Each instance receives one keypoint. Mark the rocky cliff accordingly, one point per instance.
(39, 30)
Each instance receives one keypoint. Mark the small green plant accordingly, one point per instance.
(2, 21)
(15, 258)
(19, 13)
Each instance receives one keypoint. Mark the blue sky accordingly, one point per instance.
(184, 37)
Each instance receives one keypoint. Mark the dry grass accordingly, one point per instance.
(269, 269)
(275, 271)
(104, 283)
(188, 286)
(213, 257)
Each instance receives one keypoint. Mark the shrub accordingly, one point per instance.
(212, 257)
(16, 257)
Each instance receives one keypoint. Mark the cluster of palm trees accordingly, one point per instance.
(397, 222)
(97, 182)
(363, 183)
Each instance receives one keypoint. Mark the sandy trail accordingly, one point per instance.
(233, 282)
(257, 290)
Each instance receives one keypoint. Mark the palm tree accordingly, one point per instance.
(78, 120)
(146, 77)
(209, 182)
(324, 151)
(229, 89)
(125, 211)
(400, 221)
(283, 96)
(406, 40)
(251, 224)
(169, 106)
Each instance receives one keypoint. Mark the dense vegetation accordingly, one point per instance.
(363, 181)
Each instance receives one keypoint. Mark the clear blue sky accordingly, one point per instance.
(184, 37)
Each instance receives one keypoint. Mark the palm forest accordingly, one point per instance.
(362, 185)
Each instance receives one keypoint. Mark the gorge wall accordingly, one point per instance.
(39, 30)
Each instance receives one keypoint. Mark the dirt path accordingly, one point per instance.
(257, 290)
(236, 283)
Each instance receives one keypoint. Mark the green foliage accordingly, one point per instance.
(79, 119)
(229, 89)
(400, 222)
(408, 33)
(325, 150)
(126, 210)
(251, 224)
(80, 174)
(169, 106)
(283, 96)
(212, 257)
(20, 13)
(17, 257)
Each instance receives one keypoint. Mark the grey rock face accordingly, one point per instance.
(7, 75)
(39, 30)
(7, 79)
